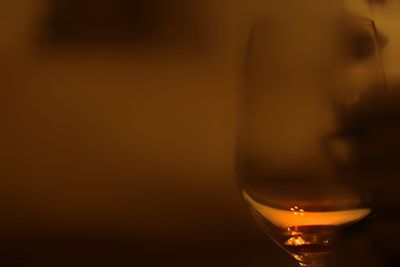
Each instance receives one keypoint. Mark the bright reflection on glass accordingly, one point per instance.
(295, 241)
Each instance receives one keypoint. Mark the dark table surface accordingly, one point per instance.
(91, 252)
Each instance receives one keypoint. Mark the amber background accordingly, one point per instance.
(117, 146)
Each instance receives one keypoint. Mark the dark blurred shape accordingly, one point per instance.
(123, 20)
(100, 19)
(363, 45)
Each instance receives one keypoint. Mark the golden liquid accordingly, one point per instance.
(307, 235)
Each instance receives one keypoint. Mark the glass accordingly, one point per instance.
(312, 88)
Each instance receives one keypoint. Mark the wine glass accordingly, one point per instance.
(311, 88)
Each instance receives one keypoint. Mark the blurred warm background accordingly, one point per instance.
(118, 123)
